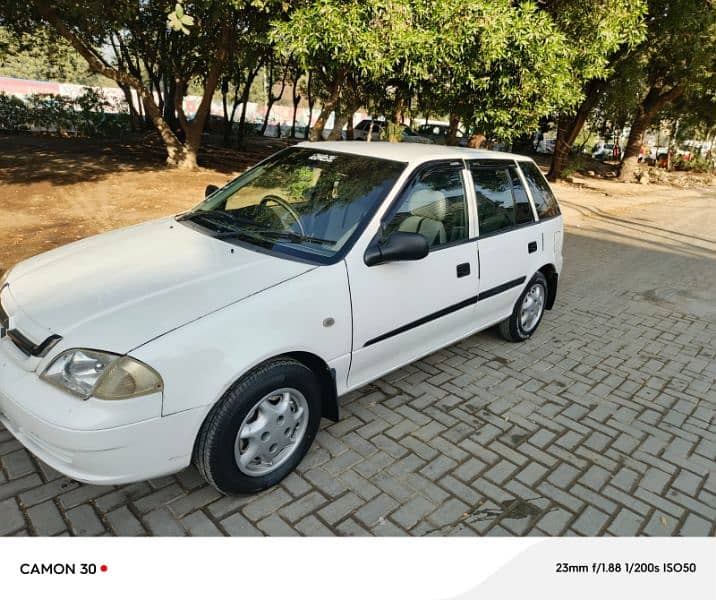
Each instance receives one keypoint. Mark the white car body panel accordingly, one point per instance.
(203, 312)
(226, 344)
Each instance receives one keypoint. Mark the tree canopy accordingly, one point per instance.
(498, 67)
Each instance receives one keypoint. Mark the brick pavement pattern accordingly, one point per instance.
(603, 424)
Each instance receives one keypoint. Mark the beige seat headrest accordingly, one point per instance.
(428, 204)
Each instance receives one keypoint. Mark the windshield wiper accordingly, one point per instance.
(295, 237)
(271, 233)
(221, 216)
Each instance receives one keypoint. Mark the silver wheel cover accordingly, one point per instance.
(532, 307)
(271, 432)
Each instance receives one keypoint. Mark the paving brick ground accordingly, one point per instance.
(603, 424)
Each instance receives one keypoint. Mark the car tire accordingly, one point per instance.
(530, 304)
(247, 421)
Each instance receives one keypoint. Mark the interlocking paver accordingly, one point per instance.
(10, 517)
(123, 522)
(46, 519)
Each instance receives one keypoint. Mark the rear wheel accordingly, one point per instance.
(261, 429)
(527, 312)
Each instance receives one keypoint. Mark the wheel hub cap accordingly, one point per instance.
(271, 432)
(532, 307)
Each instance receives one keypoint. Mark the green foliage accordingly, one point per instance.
(13, 114)
(83, 116)
(678, 52)
(697, 164)
(178, 20)
(41, 55)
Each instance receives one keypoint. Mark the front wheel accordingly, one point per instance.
(261, 429)
(528, 311)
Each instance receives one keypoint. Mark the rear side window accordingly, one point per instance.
(502, 201)
(545, 202)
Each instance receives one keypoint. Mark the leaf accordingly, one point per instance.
(664, 521)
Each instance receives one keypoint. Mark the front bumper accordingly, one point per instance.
(94, 441)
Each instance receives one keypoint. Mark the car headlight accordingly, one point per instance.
(103, 375)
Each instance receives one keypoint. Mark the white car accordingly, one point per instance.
(223, 335)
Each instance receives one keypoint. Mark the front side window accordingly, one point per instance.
(434, 206)
(545, 202)
(303, 202)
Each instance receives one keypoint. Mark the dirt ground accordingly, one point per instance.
(54, 191)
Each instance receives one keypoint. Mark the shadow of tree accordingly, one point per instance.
(27, 159)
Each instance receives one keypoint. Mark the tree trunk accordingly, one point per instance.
(451, 136)
(568, 128)
(349, 131)
(225, 107)
(311, 104)
(293, 117)
(652, 103)
(630, 162)
(241, 135)
(338, 123)
(476, 140)
(269, 106)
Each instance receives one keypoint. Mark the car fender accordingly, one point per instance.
(308, 314)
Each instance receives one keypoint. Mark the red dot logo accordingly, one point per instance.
(103, 568)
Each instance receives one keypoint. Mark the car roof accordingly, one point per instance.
(408, 152)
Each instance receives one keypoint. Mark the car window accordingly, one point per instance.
(545, 202)
(495, 203)
(434, 206)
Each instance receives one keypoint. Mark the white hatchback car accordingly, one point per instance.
(224, 334)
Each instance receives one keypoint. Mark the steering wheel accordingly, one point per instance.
(286, 206)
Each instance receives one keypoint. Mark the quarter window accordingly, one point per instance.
(545, 202)
(434, 206)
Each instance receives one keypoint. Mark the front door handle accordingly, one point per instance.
(532, 247)
(463, 269)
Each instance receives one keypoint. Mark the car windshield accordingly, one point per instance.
(304, 202)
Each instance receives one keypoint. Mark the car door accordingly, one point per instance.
(404, 310)
(508, 240)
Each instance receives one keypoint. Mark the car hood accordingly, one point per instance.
(118, 290)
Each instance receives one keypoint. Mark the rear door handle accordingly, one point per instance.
(532, 247)
(463, 269)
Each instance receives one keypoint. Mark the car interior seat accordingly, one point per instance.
(427, 212)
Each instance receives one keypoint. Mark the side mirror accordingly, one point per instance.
(400, 245)
(210, 189)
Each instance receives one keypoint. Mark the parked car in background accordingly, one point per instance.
(438, 133)
(603, 151)
(655, 155)
(546, 145)
(223, 335)
(360, 132)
